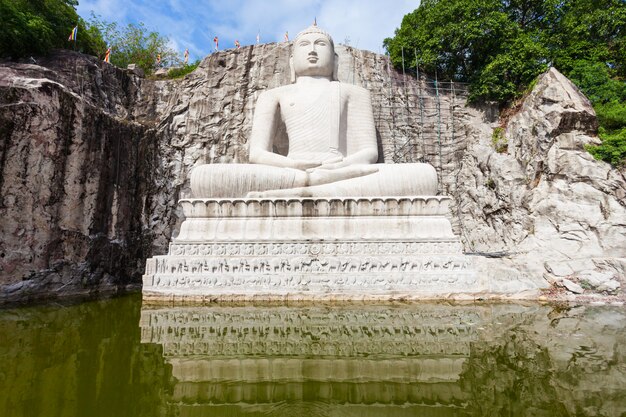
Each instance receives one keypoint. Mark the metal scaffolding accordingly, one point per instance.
(417, 118)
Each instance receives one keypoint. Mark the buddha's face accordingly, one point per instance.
(313, 55)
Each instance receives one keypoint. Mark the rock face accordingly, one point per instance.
(93, 161)
(75, 172)
(545, 200)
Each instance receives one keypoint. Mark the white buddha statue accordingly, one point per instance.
(330, 134)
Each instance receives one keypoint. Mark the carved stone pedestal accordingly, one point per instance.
(323, 248)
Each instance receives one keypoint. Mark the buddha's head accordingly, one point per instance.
(313, 54)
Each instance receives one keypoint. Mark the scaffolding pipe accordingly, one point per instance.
(438, 126)
(421, 106)
(393, 115)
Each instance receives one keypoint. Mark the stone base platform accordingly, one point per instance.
(308, 249)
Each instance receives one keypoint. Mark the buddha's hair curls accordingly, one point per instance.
(315, 29)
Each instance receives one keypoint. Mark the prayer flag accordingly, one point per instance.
(216, 43)
(107, 56)
(237, 44)
(73, 34)
(158, 60)
(186, 55)
(286, 36)
(258, 37)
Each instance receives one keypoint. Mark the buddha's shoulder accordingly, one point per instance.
(278, 92)
(353, 90)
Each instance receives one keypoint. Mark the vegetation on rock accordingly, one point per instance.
(33, 27)
(499, 141)
(184, 70)
(135, 44)
(500, 46)
(608, 96)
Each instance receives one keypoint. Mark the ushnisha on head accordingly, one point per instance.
(313, 55)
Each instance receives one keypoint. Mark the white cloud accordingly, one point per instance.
(111, 10)
(193, 24)
(366, 23)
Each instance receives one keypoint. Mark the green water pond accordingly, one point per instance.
(118, 358)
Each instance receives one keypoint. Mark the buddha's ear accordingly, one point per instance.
(336, 68)
(292, 70)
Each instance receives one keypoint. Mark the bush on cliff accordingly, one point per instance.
(184, 70)
(33, 27)
(500, 46)
(608, 96)
(135, 44)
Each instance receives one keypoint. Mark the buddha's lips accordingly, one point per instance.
(313, 59)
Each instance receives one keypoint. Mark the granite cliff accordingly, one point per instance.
(94, 158)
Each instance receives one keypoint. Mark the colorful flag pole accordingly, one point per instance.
(237, 44)
(216, 43)
(73, 34)
(286, 36)
(186, 55)
(107, 56)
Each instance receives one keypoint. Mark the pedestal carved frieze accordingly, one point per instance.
(337, 248)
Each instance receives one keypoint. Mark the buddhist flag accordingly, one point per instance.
(158, 60)
(73, 34)
(186, 55)
(107, 56)
(286, 36)
(237, 44)
(216, 43)
(258, 37)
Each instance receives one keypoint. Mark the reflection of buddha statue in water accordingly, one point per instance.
(331, 139)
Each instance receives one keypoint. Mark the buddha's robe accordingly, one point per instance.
(314, 130)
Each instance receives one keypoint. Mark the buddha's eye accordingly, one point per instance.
(304, 43)
(320, 43)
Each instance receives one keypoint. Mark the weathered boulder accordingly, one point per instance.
(545, 201)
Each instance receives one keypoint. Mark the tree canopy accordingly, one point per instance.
(500, 46)
(35, 26)
(135, 44)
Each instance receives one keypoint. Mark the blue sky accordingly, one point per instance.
(193, 23)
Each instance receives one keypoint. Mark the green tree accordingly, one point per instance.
(500, 46)
(135, 44)
(36, 26)
(607, 93)
(591, 30)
